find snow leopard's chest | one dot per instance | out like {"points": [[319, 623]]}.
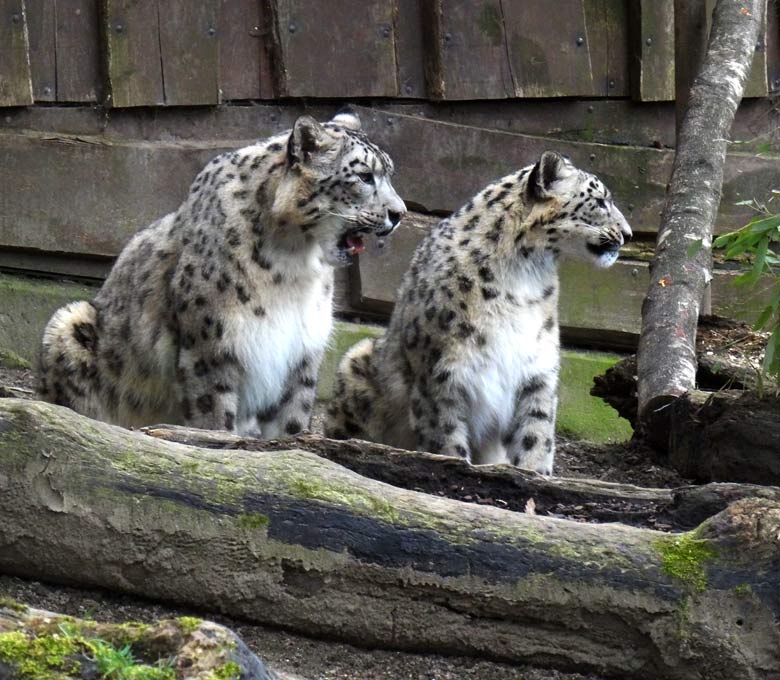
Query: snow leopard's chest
{"points": [[519, 342], [295, 329]]}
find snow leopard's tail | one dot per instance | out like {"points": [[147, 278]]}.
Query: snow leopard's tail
{"points": [[354, 406], [68, 359]]}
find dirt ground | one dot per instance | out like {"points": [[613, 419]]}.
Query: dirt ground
{"points": [[297, 657]]}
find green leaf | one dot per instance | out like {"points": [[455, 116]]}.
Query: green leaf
{"points": [[762, 319], [758, 263], [772, 356], [763, 225], [723, 241]]}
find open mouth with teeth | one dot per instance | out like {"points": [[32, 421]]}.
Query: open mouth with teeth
{"points": [[353, 241]]}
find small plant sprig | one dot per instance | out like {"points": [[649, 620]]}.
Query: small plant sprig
{"points": [[758, 239]]}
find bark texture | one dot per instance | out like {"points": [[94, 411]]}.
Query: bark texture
{"points": [[679, 509], [667, 358], [291, 539]]}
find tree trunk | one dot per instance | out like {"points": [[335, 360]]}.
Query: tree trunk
{"points": [[667, 359], [291, 539]]}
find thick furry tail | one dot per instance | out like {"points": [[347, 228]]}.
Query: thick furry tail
{"points": [[68, 359], [353, 409]]}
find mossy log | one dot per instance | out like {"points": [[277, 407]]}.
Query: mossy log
{"points": [[502, 485], [291, 539]]}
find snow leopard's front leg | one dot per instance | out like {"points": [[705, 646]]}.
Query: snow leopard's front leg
{"points": [[438, 414], [292, 413], [208, 383], [530, 439]]}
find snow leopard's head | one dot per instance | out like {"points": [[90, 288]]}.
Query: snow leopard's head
{"points": [[337, 188], [572, 212]]}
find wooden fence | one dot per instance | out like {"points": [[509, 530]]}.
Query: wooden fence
{"points": [[111, 106]]}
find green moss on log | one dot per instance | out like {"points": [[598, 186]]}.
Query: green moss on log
{"points": [[683, 557]]}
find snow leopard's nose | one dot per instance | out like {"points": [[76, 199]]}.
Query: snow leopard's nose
{"points": [[394, 217], [622, 224]]}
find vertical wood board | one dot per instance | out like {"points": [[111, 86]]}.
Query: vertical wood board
{"points": [[78, 51], [468, 52], [15, 76], [652, 50], [410, 48], [320, 54], [41, 29], [607, 26], [133, 59], [240, 44], [545, 62], [189, 50]]}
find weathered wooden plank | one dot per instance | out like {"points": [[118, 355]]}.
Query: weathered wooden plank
{"points": [[240, 45], [352, 58], [99, 192], [133, 59], [78, 51], [190, 51], [652, 49], [469, 158], [496, 49], [41, 29], [467, 53], [606, 22], [409, 48], [544, 62], [15, 75]]}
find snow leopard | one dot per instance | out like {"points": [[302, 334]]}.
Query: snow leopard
{"points": [[469, 364], [217, 315]]}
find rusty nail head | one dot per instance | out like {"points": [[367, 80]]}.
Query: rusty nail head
{"points": [[634, 272], [649, 41], [47, 90], [611, 83], [386, 31], [212, 31], [118, 27], [580, 40], [448, 37], [255, 28], [592, 157], [292, 27], [590, 109]]}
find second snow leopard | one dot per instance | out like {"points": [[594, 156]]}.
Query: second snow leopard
{"points": [[469, 364], [217, 315]]}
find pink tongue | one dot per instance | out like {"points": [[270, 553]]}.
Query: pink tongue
{"points": [[356, 242]]}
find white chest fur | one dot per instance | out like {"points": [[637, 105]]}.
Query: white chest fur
{"points": [[517, 348], [297, 325]]}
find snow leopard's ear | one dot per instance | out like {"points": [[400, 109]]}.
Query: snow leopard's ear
{"points": [[307, 139], [347, 118], [551, 168]]}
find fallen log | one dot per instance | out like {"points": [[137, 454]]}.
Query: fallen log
{"points": [[288, 538], [506, 486]]}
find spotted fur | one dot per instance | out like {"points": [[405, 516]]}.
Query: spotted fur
{"points": [[217, 315], [469, 364]]}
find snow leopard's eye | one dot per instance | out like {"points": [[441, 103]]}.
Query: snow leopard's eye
{"points": [[366, 177]]}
